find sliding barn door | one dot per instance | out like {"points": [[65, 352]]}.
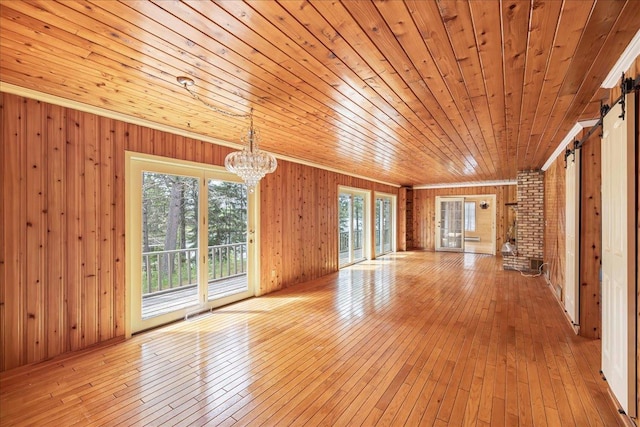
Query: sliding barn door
{"points": [[572, 265], [618, 251]]}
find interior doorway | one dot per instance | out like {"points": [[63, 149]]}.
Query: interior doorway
{"points": [[466, 224]]}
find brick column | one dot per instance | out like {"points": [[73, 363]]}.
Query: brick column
{"points": [[530, 223]]}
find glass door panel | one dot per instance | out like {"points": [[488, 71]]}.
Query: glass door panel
{"points": [[387, 222], [352, 220], [357, 234], [450, 226], [383, 225], [227, 239], [378, 226], [169, 243], [344, 226]]}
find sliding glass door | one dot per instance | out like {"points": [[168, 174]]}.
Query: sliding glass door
{"points": [[352, 221], [187, 240], [384, 224]]}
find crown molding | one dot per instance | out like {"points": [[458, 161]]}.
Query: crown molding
{"points": [[567, 139], [466, 184]]}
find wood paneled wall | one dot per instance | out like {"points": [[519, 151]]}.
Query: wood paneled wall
{"points": [[590, 237], [299, 223], [424, 211], [590, 232], [62, 215], [483, 221], [554, 217]]}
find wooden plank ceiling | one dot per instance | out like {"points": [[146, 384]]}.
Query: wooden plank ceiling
{"points": [[408, 92]]}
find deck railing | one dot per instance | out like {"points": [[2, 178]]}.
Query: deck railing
{"points": [[166, 270], [344, 241]]}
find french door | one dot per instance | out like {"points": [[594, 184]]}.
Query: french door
{"points": [[188, 249], [352, 225], [384, 224], [450, 224]]}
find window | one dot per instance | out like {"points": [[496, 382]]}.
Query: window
{"points": [[469, 216]]}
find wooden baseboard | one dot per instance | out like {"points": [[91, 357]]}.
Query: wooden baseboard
{"points": [[626, 419], [576, 328]]}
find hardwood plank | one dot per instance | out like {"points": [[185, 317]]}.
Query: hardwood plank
{"points": [[376, 343]]}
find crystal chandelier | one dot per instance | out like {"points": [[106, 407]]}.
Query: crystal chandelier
{"points": [[251, 164]]}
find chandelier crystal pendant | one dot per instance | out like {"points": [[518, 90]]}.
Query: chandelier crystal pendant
{"points": [[251, 164]]}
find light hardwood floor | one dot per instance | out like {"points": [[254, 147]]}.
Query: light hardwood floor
{"points": [[416, 338]]}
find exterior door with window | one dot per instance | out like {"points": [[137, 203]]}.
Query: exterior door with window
{"points": [[187, 240], [450, 224]]}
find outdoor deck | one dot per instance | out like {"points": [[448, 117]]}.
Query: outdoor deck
{"points": [[166, 301]]}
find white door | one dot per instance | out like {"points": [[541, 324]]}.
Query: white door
{"points": [[572, 266], [618, 253], [450, 224]]}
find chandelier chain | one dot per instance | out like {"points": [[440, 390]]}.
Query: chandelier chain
{"points": [[213, 107], [251, 164]]}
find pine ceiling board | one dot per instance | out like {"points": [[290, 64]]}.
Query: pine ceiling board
{"points": [[440, 58], [282, 148], [421, 100], [602, 19], [600, 22], [409, 92], [488, 34], [344, 24], [459, 27], [331, 46], [41, 30], [545, 17], [352, 32], [515, 24], [369, 142], [573, 16], [621, 33], [98, 43], [275, 21], [101, 58], [406, 31]]}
